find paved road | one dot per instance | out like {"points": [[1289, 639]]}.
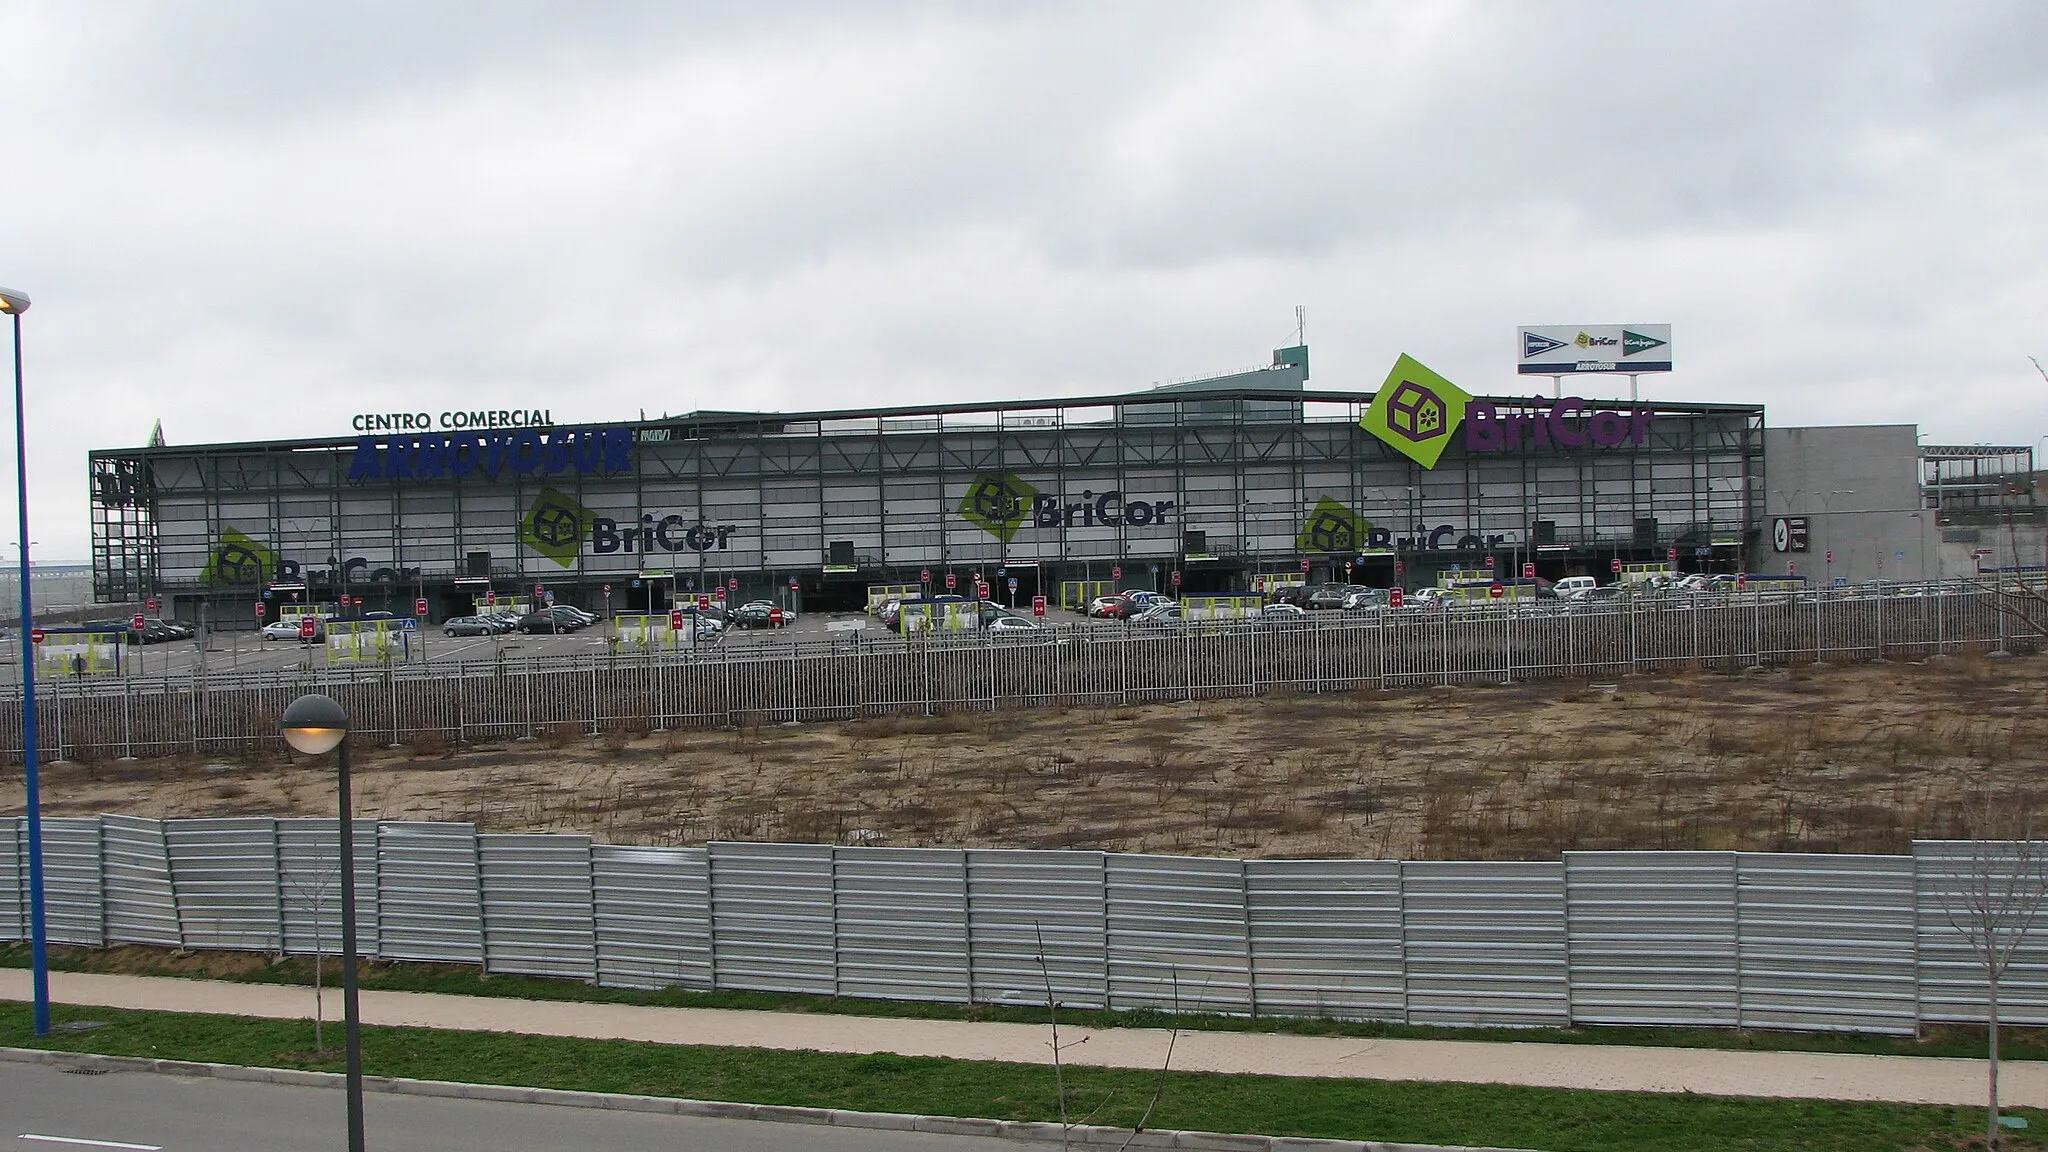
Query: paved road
{"points": [[1804, 1075], [144, 1112]]}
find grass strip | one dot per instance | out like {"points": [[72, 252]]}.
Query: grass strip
{"points": [[464, 980], [1541, 1118]]}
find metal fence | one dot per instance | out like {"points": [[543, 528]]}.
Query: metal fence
{"points": [[848, 676], [1730, 939]]}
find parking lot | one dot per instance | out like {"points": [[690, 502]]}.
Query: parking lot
{"points": [[246, 651]]}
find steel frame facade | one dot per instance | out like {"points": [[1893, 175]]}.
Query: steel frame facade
{"points": [[1243, 468]]}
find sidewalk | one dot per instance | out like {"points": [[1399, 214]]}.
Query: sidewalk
{"points": [[1905, 1079]]}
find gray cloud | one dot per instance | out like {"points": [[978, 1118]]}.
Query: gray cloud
{"points": [[253, 220]]}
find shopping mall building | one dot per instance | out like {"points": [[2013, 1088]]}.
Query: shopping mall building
{"points": [[1216, 485]]}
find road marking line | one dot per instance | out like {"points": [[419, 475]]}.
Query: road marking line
{"points": [[91, 1143]]}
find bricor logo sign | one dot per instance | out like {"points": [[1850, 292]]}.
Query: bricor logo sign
{"points": [[1107, 510], [553, 526], [237, 559], [1565, 423], [1001, 505], [997, 503], [668, 533], [1416, 411], [1331, 527]]}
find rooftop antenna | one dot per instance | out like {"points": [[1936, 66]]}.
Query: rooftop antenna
{"points": [[1301, 325]]}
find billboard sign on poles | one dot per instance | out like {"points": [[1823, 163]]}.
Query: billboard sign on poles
{"points": [[1623, 348]]}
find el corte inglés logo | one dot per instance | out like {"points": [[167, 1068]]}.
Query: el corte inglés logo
{"points": [[1416, 411]]}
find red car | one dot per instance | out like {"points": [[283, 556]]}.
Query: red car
{"points": [[1109, 607]]}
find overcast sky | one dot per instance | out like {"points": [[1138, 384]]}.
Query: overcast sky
{"points": [[253, 220]]}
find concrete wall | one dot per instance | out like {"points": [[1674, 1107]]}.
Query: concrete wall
{"points": [[1859, 488]]}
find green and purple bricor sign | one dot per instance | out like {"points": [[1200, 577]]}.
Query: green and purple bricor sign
{"points": [[518, 451], [1417, 413]]}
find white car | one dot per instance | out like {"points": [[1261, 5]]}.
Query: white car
{"points": [[289, 630], [1573, 587], [1013, 624]]}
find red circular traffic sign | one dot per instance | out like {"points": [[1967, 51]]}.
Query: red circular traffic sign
{"points": [[924, 576], [733, 583], [793, 583], [775, 615], [538, 590], [1497, 591], [35, 635], [606, 590], [1116, 573], [1304, 565]]}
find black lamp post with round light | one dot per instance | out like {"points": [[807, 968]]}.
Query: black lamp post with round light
{"points": [[313, 724]]}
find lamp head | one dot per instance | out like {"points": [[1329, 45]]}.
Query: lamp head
{"points": [[12, 303], [314, 723]]}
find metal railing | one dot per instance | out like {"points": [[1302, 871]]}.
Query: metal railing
{"points": [[1728, 939], [850, 676]]}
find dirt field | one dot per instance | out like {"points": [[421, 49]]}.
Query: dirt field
{"points": [[1856, 759]]}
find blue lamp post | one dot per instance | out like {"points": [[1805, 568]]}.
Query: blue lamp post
{"points": [[13, 304]]}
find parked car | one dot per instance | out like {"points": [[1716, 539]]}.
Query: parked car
{"points": [[154, 631], [1365, 600], [1281, 616], [1108, 607], [1013, 625], [760, 614], [1605, 596], [558, 619], [178, 629], [1330, 595], [1573, 587], [1295, 594], [289, 629], [1139, 599], [469, 626], [1166, 615]]}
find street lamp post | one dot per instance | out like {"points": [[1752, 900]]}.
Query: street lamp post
{"points": [[312, 724], [13, 304]]}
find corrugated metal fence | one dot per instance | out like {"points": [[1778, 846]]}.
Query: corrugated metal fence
{"points": [[847, 677], [1730, 939]]}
